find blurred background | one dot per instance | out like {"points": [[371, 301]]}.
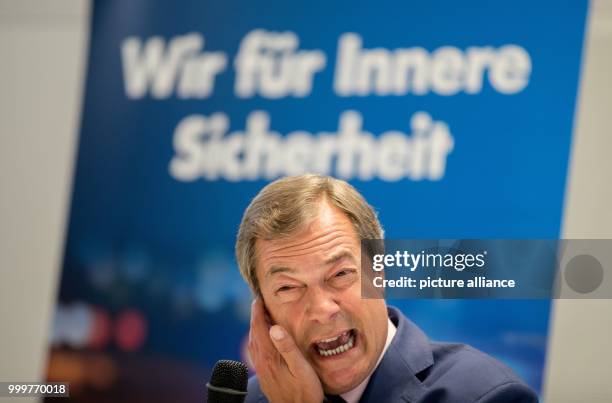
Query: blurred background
{"points": [[119, 214]]}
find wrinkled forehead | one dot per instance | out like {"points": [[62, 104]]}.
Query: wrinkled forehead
{"points": [[329, 233]]}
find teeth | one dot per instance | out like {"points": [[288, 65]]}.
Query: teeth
{"points": [[331, 338], [328, 340], [339, 349]]}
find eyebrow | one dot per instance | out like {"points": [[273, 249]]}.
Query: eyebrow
{"points": [[340, 256], [279, 269], [331, 260]]}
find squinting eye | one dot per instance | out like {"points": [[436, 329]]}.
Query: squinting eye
{"points": [[285, 288], [344, 275], [345, 272]]}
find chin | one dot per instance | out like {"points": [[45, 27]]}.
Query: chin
{"points": [[338, 389], [336, 384]]}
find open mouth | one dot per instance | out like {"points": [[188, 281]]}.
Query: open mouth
{"points": [[336, 345]]}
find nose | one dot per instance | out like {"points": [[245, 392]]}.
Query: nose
{"points": [[322, 306]]}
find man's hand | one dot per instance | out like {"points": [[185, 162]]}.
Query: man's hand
{"points": [[283, 372]]}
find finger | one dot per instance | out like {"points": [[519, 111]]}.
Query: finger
{"points": [[258, 358], [285, 345], [259, 332]]}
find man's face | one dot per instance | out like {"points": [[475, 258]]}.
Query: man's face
{"points": [[310, 284]]}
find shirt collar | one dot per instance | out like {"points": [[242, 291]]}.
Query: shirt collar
{"points": [[353, 395]]}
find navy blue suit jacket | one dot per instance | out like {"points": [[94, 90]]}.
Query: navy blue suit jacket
{"points": [[415, 369]]}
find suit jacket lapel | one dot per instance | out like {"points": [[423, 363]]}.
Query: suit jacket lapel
{"points": [[408, 354]]}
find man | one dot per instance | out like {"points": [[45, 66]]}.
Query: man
{"points": [[313, 337]]}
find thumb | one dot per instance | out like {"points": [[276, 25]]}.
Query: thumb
{"points": [[287, 348]]}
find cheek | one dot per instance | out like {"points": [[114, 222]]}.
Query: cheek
{"points": [[374, 319], [285, 315], [294, 325], [275, 311], [292, 318]]}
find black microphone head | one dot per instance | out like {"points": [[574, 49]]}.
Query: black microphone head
{"points": [[228, 382]]}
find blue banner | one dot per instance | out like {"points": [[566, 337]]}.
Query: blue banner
{"points": [[453, 121]]}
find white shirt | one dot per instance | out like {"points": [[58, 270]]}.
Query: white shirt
{"points": [[353, 395]]}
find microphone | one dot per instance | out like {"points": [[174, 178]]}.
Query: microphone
{"points": [[228, 382]]}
